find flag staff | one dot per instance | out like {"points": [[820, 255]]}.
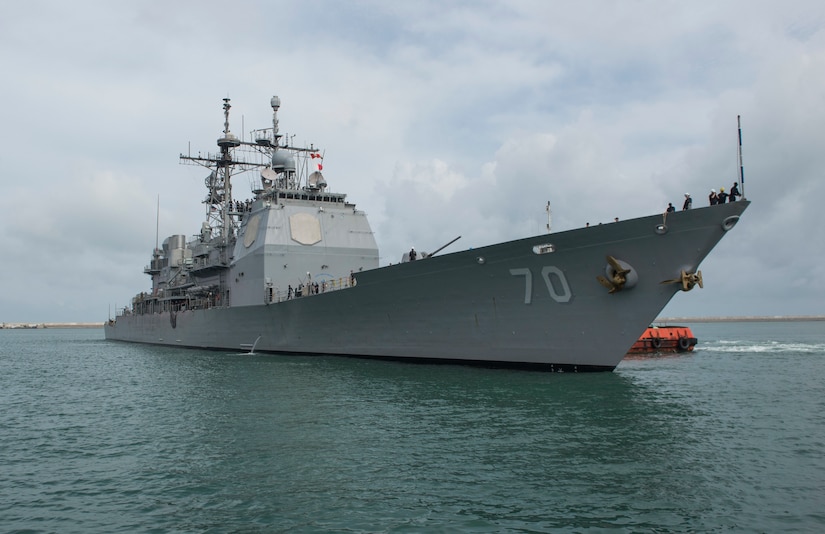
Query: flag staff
{"points": [[741, 166]]}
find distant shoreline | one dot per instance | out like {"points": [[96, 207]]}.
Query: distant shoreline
{"points": [[15, 326], [740, 319], [659, 321]]}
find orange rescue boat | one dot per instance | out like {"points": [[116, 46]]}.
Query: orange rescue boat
{"points": [[664, 339]]}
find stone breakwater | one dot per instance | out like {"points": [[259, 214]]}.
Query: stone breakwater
{"points": [[10, 326], [739, 319]]}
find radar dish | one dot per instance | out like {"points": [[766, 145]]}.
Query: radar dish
{"points": [[316, 180], [269, 175]]}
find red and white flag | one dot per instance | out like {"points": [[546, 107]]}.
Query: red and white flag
{"points": [[318, 165]]}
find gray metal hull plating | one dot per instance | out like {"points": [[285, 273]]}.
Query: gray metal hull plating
{"points": [[501, 305]]}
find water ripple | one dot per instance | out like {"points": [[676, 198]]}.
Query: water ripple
{"points": [[110, 437]]}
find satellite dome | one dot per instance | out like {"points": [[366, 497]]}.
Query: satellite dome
{"points": [[282, 161], [316, 180]]}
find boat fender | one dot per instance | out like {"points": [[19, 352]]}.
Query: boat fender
{"points": [[684, 344], [656, 342]]}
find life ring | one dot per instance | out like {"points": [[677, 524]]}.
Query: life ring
{"points": [[656, 342], [684, 344]]}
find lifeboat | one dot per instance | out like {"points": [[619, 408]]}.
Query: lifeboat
{"points": [[664, 339]]}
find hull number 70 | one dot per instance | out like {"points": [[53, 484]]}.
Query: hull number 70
{"points": [[554, 279]]}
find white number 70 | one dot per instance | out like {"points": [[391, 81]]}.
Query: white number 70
{"points": [[559, 294]]}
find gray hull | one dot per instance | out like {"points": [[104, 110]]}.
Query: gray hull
{"points": [[533, 303]]}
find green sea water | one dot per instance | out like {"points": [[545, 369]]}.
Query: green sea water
{"points": [[99, 436]]}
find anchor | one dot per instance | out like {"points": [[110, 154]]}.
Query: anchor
{"points": [[617, 279], [688, 280]]}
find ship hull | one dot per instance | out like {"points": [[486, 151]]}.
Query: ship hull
{"points": [[531, 303]]}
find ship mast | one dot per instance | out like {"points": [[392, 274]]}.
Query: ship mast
{"points": [[277, 161], [275, 102], [224, 183], [219, 206]]}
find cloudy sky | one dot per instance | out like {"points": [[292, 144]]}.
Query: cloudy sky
{"points": [[438, 118]]}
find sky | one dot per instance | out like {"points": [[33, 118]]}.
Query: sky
{"points": [[437, 118]]}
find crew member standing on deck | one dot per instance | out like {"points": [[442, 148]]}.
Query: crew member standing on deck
{"points": [[734, 192], [723, 197], [670, 208], [712, 198], [688, 202], [412, 254]]}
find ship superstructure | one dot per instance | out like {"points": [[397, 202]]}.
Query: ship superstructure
{"points": [[294, 269], [292, 238]]}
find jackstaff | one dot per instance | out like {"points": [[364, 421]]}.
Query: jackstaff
{"points": [[741, 167]]}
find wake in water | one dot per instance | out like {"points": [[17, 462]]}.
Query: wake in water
{"points": [[772, 347]]}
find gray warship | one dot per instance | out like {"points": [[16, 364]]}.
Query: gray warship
{"points": [[295, 270]]}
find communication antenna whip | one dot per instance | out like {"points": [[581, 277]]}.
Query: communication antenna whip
{"points": [[157, 223]]}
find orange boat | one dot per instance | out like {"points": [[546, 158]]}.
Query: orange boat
{"points": [[664, 339]]}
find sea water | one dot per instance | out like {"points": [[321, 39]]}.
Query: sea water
{"points": [[99, 436]]}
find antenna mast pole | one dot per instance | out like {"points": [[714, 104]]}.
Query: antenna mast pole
{"points": [[157, 224], [221, 192], [225, 157]]}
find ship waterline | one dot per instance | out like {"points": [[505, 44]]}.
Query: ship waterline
{"points": [[295, 270]]}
